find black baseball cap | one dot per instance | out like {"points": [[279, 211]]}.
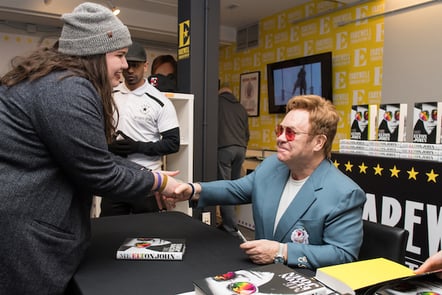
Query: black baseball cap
{"points": [[136, 52]]}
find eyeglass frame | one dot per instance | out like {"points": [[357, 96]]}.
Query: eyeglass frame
{"points": [[389, 115], [433, 115], [359, 115], [278, 132]]}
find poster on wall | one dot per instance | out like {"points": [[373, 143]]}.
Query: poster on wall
{"points": [[249, 97]]}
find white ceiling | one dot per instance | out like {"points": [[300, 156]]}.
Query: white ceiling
{"points": [[150, 20]]}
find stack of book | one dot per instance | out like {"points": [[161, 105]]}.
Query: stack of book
{"points": [[403, 150]]}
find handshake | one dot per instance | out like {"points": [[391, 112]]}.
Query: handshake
{"points": [[171, 190]]}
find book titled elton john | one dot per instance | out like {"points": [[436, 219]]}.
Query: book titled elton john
{"points": [[152, 249], [392, 122], [276, 279], [427, 122], [363, 122]]}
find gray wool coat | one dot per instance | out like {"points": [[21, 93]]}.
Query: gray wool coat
{"points": [[53, 158]]}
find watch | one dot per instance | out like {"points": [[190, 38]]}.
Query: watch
{"points": [[279, 258]]}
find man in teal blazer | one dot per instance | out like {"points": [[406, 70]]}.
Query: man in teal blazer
{"points": [[306, 212]]}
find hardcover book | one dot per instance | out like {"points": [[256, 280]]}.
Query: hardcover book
{"points": [[425, 284], [347, 278], [268, 279], [363, 122], [392, 122], [426, 122], [152, 249]]}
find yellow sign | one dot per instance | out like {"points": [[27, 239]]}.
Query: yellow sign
{"points": [[184, 40]]}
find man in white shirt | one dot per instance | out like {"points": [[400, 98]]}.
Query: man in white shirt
{"points": [[147, 128]]}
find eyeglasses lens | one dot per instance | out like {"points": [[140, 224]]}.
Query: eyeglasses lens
{"points": [[388, 115], [425, 115], [358, 116], [289, 133]]}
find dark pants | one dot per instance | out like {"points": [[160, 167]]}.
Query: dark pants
{"points": [[140, 205], [230, 160]]}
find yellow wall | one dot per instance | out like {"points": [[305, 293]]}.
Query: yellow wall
{"points": [[357, 59]]}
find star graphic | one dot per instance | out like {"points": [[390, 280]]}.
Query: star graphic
{"points": [[412, 173], [363, 168], [378, 170], [348, 166], [432, 176], [336, 163], [395, 172]]}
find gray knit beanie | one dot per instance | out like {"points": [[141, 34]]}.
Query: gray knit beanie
{"points": [[92, 29]]}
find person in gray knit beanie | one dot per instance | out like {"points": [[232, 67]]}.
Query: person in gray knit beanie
{"points": [[92, 29], [56, 112]]}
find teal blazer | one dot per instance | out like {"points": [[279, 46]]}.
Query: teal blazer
{"points": [[322, 225]]}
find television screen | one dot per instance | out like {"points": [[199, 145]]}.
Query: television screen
{"points": [[306, 75]]}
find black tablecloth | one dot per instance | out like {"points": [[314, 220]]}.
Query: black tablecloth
{"points": [[209, 251]]}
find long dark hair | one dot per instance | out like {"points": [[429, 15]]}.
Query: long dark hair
{"points": [[46, 60]]}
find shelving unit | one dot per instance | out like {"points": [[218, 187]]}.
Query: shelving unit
{"points": [[183, 159]]}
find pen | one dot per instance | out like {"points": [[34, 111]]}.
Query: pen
{"points": [[241, 236]]}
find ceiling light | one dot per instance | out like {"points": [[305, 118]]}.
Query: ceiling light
{"points": [[115, 10]]}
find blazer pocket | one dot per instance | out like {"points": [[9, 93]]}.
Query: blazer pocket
{"points": [[312, 227]]}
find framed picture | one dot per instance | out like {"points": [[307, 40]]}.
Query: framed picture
{"points": [[249, 96]]}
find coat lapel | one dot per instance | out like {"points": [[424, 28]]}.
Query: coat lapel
{"points": [[304, 199]]}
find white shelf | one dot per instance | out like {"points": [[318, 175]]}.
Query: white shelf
{"points": [[183, 159]]}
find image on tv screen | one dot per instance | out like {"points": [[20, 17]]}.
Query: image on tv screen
{"points": [[296, 80]]}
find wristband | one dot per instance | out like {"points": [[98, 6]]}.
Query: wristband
{"points": [[193, 190], [163, 185], [159, 181]]}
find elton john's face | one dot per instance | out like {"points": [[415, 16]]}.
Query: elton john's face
{"points": [[362, 117], [392, 116], [428, 116]]}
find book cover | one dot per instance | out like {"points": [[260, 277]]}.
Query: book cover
{"points": [[363, 122], [392, 122], [152, 249], [425, 284], [439, 125], [346, 278], [267, 279], [426, 128]]}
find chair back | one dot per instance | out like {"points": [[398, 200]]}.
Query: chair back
{"points": [[383, 241]]}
